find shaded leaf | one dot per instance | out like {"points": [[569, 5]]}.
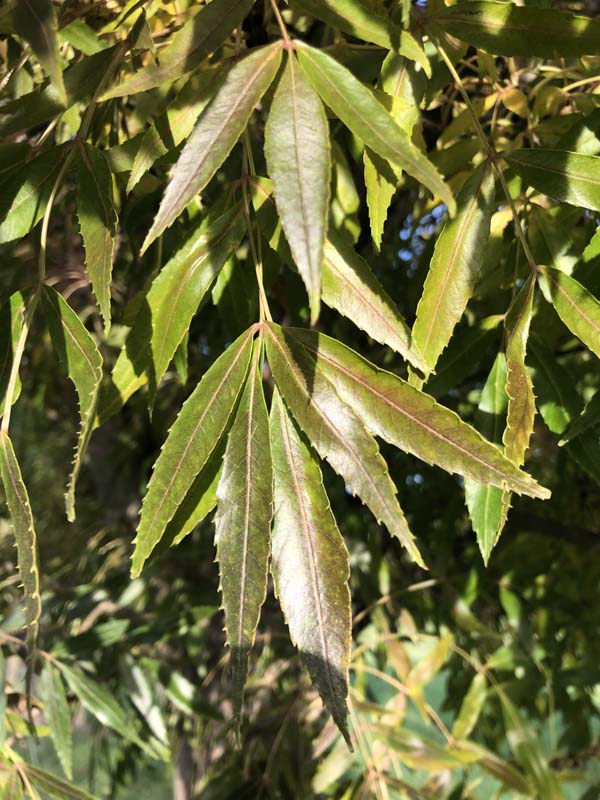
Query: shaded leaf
{"points": [[589, 417], [570, 177], [12, 317], [58, 717], [550, 241], [53, 786], [35, 21]]}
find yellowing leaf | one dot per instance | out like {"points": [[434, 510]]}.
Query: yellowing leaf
{"points": [[471, 707]]}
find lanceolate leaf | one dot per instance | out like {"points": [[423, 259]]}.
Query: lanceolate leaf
{"points": [[455, 266], [219, 127], [243, 525], [511, 30], [471, 707], [588, 418], [298, 157], [337, 434], [191, 441], [578, 308], [81, 358], [192, 44], [12, 316], [570, 177], [35, 21], [310, 564], [409, 418], [360, 111], [58, 717], [98, 222], [53, 786]]}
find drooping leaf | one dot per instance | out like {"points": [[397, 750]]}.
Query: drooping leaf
{"points": [[202, 34], [360, 111], [310, 565], [35, 21], [81, 358], [298, 157], [52, 785], [190, 443], [411, 419], [219, 127], [58, 717], [570, 177], [12, 317], [471, 707], [337, 434], [243, 525], [455, 266], [511, 30]]}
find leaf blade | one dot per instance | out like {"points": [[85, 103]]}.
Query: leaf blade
{"points": [[35, 21], [575, 305], [570, 177], [56, 711]]}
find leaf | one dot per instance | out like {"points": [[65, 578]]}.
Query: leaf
{"points": [[167, 310], [53, 786], [199, 37], [298, 157], [81, 358], [219, 127], [58, 717], [510, 30], [578, 308], [310, 565], [243, 525], [364, 115], [21, 517], [35, 21], [337, 434], [550, 241], [98, 222], [588, 418], [12, 317], [189, 445], [570, 177], [471, 707], [13, 788], [411, 419], [455, 266], [26, 192]]}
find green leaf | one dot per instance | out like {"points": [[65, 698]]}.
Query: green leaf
{"points": [[219, 127], [337, 433], [578, 308], [363, 114], [310, 565], [298, 157], [21, 517], [471, 707], [98, 222], [26, 192], [51, 785], [81, 358], [191, 441], [82, 37], [35, 21], [12, 317], [550, 241], [58, 717], [202, 34], [455, 266], [570, 177], [243, 525], [411, 419], [588, 418], [511, 30], [13, 788]]}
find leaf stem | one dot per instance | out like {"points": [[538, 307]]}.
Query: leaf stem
{"points": [[248, 169], [287, 43]]}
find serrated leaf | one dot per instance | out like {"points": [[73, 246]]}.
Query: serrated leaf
{"points": [[511, 30], [471, 707], [190, 443], [12, 317], [58, 717], [455, 266], [219, 127], [81, 358], [97, 221], [578, 308], [243, 525], [202, 34], [298, 157], [337, 433], [51, 785], [35, 21], [363, 114], [570, 177], [310, 565], [411, 419]]}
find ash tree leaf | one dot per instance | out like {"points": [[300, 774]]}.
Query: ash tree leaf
{"points": [[356, 106], [298, 157], [574, 304], [191, 441], [455, 266], [12, 317], [35, 21], [310, 565], [411, 419], [52, 786], [570, 177], [337, 434], [243, 525], [77, 351], [58, 717], [98, 222], [219, 127]]}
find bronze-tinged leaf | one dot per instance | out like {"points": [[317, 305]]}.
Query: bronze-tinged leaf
{"points": [[310, 564]]}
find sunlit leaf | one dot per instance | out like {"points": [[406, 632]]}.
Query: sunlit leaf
{"points": [[471, 707], [12, 316], [570, 177]]}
